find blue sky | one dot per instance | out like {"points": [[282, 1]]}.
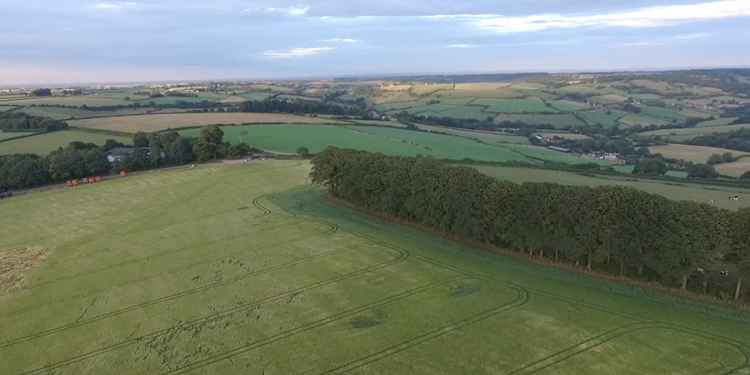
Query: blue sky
{"points": [[45, 41]]}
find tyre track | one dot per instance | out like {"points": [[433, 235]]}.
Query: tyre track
{"points": [[522, 298], [616, 333]]}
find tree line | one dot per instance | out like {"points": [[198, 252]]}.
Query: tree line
{"points": [[736, 140], [612, 229], [19, 121], [273, 105], [78, 159]]}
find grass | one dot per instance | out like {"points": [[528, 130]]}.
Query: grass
{"points": [[607, 119], [287, 138], [158, 122], [722, 121], [734, 169], [561, 121], [696, 154], [240, 269], [91, 101], [43, 144], [483, 136], [676, 191], [568, 105]]}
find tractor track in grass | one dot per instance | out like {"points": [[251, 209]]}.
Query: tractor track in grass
{"points": [[625, 330], [401, 257], [522, 298], [310, 326]]}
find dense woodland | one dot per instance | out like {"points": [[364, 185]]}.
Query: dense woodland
{"points": [[612, 229], [301, 106]]}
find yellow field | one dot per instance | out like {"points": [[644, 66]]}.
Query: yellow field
{"points": [[696, 154], [152, 123]]}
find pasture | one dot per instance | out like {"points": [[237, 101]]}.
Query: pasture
{"points": [[243, 270], [696, 154], [43, 144], [513, 105], [9, 135], [287, 138], [159, 122], [672, 190]]}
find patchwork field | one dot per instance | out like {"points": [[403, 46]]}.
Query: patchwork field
{"points": [[152, 123], [243, 270], [672, 190], [43, 144], [696, 154]]}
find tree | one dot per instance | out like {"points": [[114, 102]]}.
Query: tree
{"points": [[239, 150], [651, 167], [140, 139], [303, 151], [702, 171], [715, 159], [209, 144], [740, 247], [745, 176]]}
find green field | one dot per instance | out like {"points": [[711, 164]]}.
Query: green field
{"points": [[242, 270], [90, 100], [607, 119], [513, 105], [723, 121], [483, 136], [559, 121], [672, 190], [287, 138], [391, 141], [43, 144]]}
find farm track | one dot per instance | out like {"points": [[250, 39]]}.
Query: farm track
{"points": [[402, 256]]}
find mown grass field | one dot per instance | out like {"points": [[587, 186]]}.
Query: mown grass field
{"points": [[43, 144], [672, 190], [158, 122], [243, 270]]}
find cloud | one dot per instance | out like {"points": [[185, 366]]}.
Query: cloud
{"points": [[293, 11], [645, 17], [296, 52], [115, 5], [462, 46], [340, 41], [668, 40]]}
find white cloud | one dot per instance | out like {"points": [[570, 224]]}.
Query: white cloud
{"points": [[294, 11], [693, 36], [462, 46], [340, 41], [638, 18], [296, 52], [115, 5], [667, 40]]}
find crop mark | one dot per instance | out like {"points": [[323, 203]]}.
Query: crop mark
{"points": [[401, 257], [160, 300], [161, 274], [308, 327]]}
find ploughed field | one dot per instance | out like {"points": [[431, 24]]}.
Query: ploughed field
{"points": [[246, 269]]}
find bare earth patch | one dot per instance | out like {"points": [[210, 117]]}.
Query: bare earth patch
{"points": [[16, 263]]}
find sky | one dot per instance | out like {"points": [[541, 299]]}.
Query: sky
{"points": [[66, 41]]}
